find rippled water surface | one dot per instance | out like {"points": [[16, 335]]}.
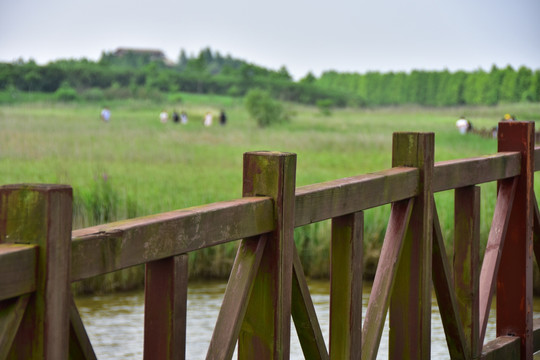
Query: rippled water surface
{"points": [[115, 322]]}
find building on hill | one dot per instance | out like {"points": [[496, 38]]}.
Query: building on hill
{"points": [[151, 53]]}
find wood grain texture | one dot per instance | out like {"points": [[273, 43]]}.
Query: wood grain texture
{"points": [[110, 247], [502, 348], [11, 315]]}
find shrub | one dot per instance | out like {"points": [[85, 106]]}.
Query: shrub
{"points": [[325, 106], [94, 94], [265, 110], [66, 93]]}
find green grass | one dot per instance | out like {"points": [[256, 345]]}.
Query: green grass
{"points": [[136, 166]]}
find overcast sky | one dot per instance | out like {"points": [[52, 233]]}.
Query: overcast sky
{"points": [[342, 35]]}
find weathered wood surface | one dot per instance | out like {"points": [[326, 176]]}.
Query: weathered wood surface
{"points": [[536, 335], [385, 277], [80, 347], [467, 263], [105, 248], [265, 331], [454, 174], [11, 314], [537, 158], [345, 196], [446, 298], [346, 286], [502, 348], [17, 269], [304, 316], [515, 275], [41, 215], [410, 304], [165, 307], [235, 300], [494, 248]]}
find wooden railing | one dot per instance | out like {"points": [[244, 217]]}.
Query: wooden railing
{"points": [[40, 256]]}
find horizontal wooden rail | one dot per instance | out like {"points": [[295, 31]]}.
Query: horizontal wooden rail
{"points": [[537, 158], [17, 270], [105, 248]]}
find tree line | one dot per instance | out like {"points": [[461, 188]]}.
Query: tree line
{"points": [[138, 74]]}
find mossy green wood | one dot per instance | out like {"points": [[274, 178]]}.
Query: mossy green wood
{"points": [[467, 262], [265, 331], [304, 316], [346, 287], [515, 275], [41, 215], [410, 306], [165, 305], [446, 298]]}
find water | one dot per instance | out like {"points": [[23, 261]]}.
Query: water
{"points": [[115, 322]]}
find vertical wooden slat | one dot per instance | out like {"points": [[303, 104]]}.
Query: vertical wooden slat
{"points": [[385, 276], [265, 332], [165, 308], [233, 308], [467, 262], [410, 307], [514, 279], [304, 316], [494, 247], [346, 287], [536, 231], [41, 215], [446, 298]]}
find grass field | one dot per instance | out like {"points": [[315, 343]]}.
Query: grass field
{"points": [[135, 165]]}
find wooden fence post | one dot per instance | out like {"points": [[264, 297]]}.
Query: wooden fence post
{"points": [[265, 331], [42, 215], [514, 279], [165, 306], [410, 307]]}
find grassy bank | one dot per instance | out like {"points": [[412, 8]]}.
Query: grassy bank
{"points": [[135, 165]]}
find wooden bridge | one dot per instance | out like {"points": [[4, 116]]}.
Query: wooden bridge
{"points": [[40, 257]]}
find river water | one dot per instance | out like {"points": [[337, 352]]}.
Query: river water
{"points": [[115, 322]]}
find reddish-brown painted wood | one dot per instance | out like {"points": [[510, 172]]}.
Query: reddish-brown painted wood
{"points": [[536, 230], [346, 286], [467, 262], [494, 247], [165, 305], [514, 279], [410, 305], [265, 331], [446, 298], [304, 316], [385, 276], [235, 300], [41, 215]]}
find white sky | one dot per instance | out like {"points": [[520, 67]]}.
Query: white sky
{"points": [[342, 35]]}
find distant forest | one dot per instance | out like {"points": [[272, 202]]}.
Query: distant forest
{"points": [[140, 73]]}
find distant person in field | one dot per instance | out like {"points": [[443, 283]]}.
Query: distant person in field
{"points": [[222, 118], [208, 119], [163, 117], [175, 117], [183, 118], [463, 125], [105, 114]]}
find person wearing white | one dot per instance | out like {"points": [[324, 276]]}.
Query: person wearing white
{"points": [[105, 114], [462, 124], [163, 117], [208, 119]]}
